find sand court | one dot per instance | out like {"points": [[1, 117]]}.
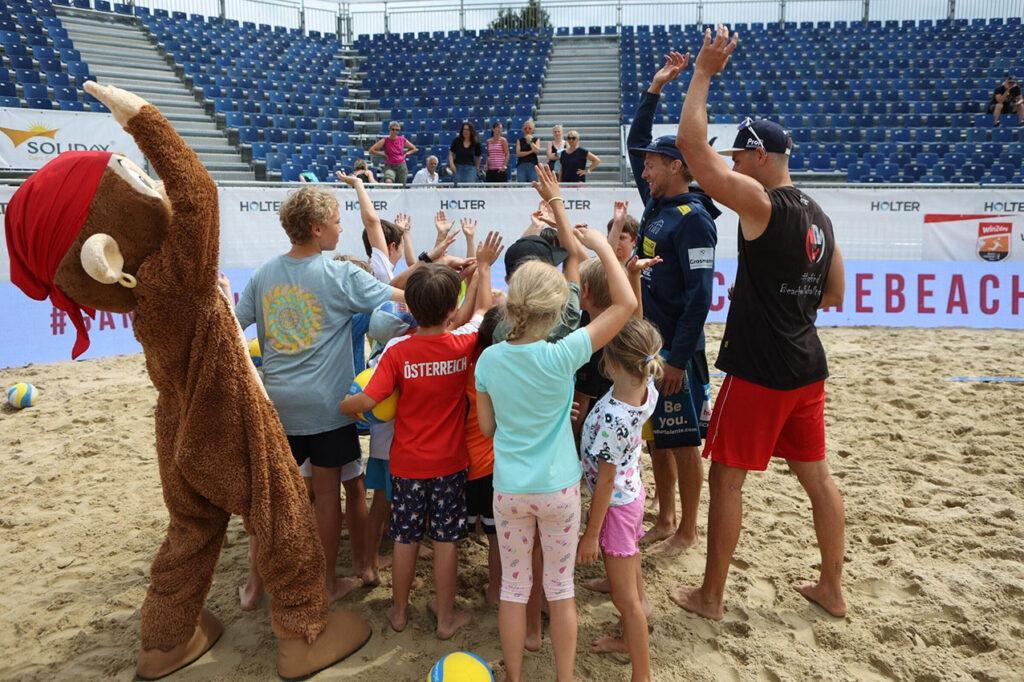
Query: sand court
{"points": [[932, 471]]}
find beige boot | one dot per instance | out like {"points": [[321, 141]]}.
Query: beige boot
{"points": [[154, 663], [345, 634]]}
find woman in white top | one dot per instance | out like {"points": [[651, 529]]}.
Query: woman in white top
{"points": [[555, 147]]}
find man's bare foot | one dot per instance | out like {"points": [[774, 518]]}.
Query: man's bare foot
{"points": [[830, 600], [658, 531], [342, 586], [609, 645], [250, 597], [447, 629], [674, 545], [598, 585], [398, 620], [532, 642], [694, 601]]}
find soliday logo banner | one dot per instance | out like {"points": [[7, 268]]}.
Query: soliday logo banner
{"points": [[881, 233], [31, 137]]}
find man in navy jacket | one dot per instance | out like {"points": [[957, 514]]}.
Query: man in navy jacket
{"points": [[678, 226]]}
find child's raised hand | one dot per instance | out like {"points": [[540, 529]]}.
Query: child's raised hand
{"points": [[546, 183], [490, 248], [403, 221], [619, 213], [588, 551], [635, 265], [350, 180], [592, 239], [469, 228], [442, 225], [440, 248]]}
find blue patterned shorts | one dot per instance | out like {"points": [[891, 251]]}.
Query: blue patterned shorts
{"points": [[440, 501]]}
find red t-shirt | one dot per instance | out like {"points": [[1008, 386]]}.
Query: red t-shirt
{"points": [[430, 374]]}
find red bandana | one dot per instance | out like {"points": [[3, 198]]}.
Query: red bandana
{"points": [[43, 220]]}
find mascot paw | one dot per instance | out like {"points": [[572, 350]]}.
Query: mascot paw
{"points": [[154, 663], [122, 104], [345, 634]]}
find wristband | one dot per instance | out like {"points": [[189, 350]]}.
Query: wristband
{"points": [[425, 258], [556, 199]]}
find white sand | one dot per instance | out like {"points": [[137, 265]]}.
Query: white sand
{"points": [[932, 473]]}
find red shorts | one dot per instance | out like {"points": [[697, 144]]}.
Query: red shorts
{"points": [[750, 424]]}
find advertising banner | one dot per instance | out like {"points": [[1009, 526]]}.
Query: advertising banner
{"points": [[901, 268], [31, 137]]}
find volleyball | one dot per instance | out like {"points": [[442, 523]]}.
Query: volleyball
{"points": [[384, 411], [22, 395], [255, 353], [461, 666]]}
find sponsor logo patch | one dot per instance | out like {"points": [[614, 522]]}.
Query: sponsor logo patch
{"points": [[994, 240], [649, 247], [702, 258]]}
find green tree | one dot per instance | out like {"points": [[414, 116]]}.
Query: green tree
{"points": [[532, 15]]}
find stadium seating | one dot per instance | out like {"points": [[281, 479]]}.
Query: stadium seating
{"points": [[40, 68], [857, 97]]}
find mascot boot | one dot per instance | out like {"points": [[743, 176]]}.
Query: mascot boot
{"points": [[91, 230]]}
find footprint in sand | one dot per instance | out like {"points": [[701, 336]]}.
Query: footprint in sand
{"points": [[800, 628], [761, 593], [884, 591]]}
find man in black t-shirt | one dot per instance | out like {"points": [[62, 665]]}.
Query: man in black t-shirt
{"points": [[1006, 99], [771, 403]]}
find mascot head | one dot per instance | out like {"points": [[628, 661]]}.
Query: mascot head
{"points": [[78, 230]]}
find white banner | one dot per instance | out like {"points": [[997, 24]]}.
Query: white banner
{"points": [[898, 271], [988, 237], [31, 137]]}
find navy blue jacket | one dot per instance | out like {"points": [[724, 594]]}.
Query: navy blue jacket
{"points": [[681, 230]]}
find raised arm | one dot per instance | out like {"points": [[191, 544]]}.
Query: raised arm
{"points": [[634, 270], [643, 122], [368, 214], [192, 243], [607, 324], [487, 254], [404, 223], [469, 232], [741, 193], [549, 191]]}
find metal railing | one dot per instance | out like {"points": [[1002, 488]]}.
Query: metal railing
{"points": [[349, 20]]}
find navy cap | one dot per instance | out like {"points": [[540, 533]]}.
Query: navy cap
{"points": [[664, 145], [761, 133], [532, 248]]}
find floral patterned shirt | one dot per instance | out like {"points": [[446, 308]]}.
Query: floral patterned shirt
{"points": [[612, 433]]}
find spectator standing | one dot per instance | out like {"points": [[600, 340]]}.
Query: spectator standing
{"points": [[497, 155], [464, 155], [527, 149], [1007, 100], [555, 148], [427, 175], [574, 160], [395, 149]]}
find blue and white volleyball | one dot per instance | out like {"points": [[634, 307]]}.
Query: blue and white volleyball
{"points": [[22, 395]]}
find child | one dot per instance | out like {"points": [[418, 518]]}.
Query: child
{"points": [[480, 483], [622, 231], [610, 447], [302, 304], [524, 394], [428, 454]]}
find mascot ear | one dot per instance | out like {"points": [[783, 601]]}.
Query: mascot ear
{"points": [[102, 260]]}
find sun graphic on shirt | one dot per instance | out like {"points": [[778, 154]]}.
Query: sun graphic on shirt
{"points": [[293, 318]]}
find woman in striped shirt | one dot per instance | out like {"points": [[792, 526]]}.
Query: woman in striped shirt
{"points": [[497, 155]]}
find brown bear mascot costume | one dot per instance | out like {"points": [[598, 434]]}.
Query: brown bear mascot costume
{"points": [[92, 231]]}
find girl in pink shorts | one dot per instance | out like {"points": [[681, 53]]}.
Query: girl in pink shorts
{"points": [[610, 447]]}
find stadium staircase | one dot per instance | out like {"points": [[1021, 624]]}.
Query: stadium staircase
{"points": [[120, 53], [581, 91]]}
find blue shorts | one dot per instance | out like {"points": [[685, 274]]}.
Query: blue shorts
{"points": [[681, 420], [441, 501], [378, 476]]}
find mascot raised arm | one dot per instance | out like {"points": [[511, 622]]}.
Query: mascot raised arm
{"points": [[92, 231]]}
